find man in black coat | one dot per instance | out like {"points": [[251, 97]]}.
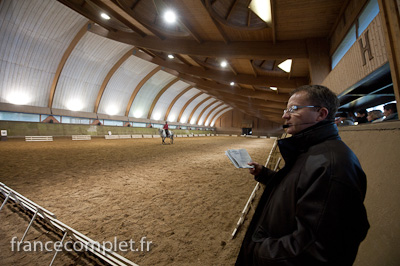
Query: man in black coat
{"points": [[311, 211]]}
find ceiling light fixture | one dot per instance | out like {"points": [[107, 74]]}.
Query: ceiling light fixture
{"points": [[169, 16], [137, 114], [112, 110], [273, 88], [224, 63], [75, 105], [170, 56], [286, 65], [232, 83], [18, 98], [105, 16], [262, 8]]}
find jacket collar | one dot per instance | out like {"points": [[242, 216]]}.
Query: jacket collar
{"points": [[291, 147]]}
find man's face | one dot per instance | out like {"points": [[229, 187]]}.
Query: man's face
{"points": [[302, 118], [360, 115], [387, 112]]}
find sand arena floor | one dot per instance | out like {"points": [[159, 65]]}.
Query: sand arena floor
{"points": [[185, 198]]}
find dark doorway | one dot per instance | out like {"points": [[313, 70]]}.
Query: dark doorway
{"points": [[247, 131]]}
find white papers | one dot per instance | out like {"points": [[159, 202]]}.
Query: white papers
{"points": [[239, 158]]}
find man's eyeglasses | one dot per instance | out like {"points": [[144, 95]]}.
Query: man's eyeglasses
{"points": [[297, 107]]}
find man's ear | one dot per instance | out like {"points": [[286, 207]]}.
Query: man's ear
{"points": [[322, 114]]}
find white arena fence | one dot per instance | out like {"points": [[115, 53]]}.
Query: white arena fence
{"points": [[38, 138], [81, 137], [49, 218], [137, 136]]}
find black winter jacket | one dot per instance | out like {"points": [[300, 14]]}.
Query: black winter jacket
{"points": [[311, 211]]}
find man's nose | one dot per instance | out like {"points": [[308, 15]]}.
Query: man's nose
{"points": [[286, 115]]}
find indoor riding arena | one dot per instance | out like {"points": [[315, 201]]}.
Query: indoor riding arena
{"points": [[120, 122], [185, 198]]}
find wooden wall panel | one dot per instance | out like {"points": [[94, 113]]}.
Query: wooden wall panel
{"points": [[231, 123], [350, 69]]}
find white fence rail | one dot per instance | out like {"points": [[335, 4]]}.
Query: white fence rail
{"points": [[90, 245]]}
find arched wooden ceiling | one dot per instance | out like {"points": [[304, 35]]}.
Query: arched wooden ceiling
{"points": [[63, 55]]}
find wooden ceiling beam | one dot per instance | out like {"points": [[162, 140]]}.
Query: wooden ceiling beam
{"points": [[241, 49], [86, 13], [183, 60], [231, 8], [120, 18], [131, 13], [232, 90], [253, 103], [224, 76]]}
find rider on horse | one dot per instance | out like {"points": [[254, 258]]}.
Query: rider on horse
{"points": [[166, 129]]}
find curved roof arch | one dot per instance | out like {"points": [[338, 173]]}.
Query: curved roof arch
{"points": [[144, 98], [204, 112], [210, 112], [164, 104], [61, 55], [157, 98], [218, 113], [191, 107], [119, 89], [85, 71], [35, 35], [195, 112]]}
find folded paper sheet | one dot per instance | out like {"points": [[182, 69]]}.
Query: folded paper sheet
{"points": [[239, 158]]}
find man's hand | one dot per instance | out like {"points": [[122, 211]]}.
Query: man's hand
{"points": [[257, 168]]}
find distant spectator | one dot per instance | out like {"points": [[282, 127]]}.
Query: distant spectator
{"points": [[344, 120], [375, 116], [361, 116], [390, 111]]}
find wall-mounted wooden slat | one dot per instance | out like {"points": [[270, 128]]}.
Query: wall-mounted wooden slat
{"points": [[204, 109], [138, 87], [108, 77], [197, 106], [61, 65], [219, 113], [186, 105], [212, 110], [159, 95], [174, 100]]}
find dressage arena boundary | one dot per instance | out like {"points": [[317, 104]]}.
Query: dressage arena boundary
{"points": [[90, 245], [273, 154], [117, 136], [136, 136], [38, 138], [81, 137]]}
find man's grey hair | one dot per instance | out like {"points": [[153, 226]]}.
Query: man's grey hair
{"points": [[319, 95]]}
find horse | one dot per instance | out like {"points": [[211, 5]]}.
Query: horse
{"points": [[164, 136]]}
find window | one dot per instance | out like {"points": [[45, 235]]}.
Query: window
{"points": [[370, 11], [9, 116], [138, 124], [158, 125], [113, 123], [366, 17], [75, 120], [344, 46]]}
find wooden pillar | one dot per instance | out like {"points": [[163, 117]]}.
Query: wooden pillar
{"points": [[390, 15], [318, 60]]}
